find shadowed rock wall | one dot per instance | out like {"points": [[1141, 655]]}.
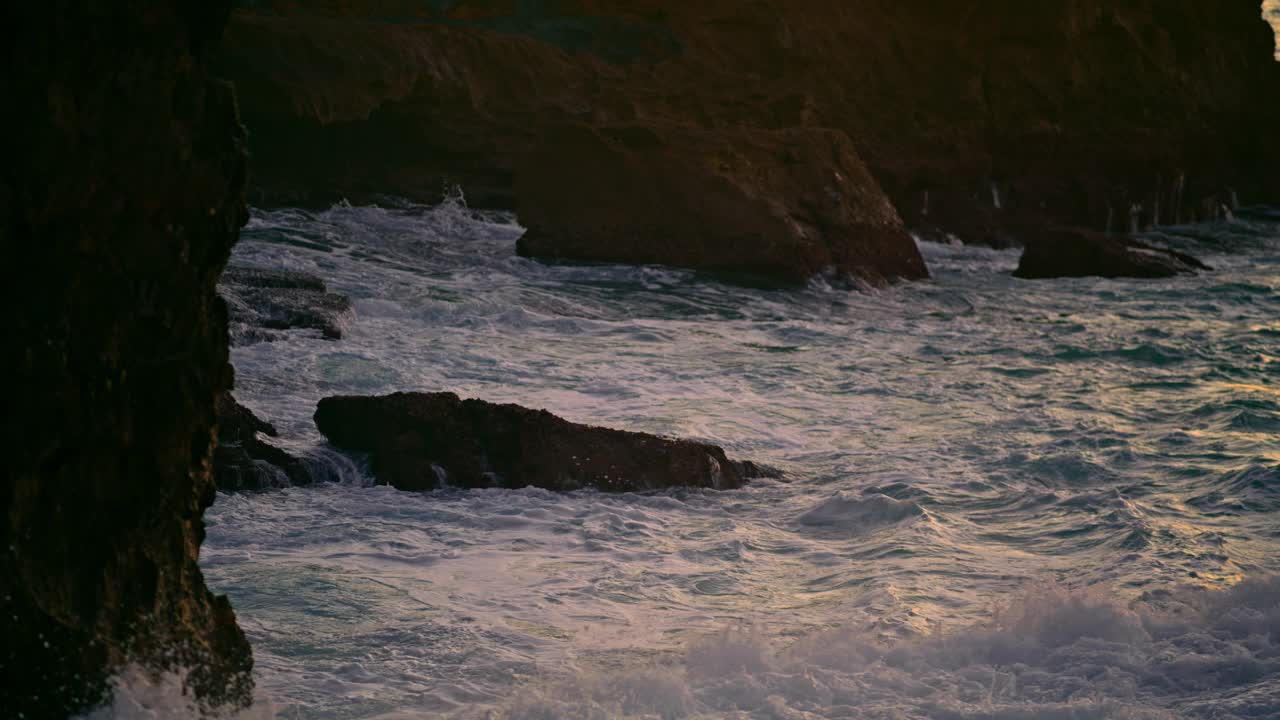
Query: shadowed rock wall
{"points": [[984, 118], [120, 198]]}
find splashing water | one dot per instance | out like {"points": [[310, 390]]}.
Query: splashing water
{"points": [[139, 694], [948, 444], [1052, 655]]}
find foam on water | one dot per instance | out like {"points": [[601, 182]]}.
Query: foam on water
{"points": [[949, 444], [1054, 654], [140, 694]]}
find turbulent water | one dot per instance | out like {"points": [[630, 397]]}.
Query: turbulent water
{"points": [[1003, 499]]}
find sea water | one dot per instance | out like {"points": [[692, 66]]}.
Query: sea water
{"points": [[1002, 498]]}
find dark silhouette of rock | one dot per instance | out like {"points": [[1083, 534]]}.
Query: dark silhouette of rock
{"points": [[243, 461], [510, 119], [120, 198], [261, 301], [1074, 253], [979, 119], [421, 441], [784, 205]]}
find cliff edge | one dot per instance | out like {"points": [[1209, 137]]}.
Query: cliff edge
{"points": [[120, 199], [986, 120]]}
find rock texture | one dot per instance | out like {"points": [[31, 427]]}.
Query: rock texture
{"points": [[980, 119], [263, 301], [605, 155], [1271, 9], [120, 197], [419, 441], [243, 461], [1072, 253], [1076, 113], [785, 204]]}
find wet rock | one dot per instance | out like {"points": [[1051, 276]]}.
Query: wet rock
{"points": [[243, 461], [784, 205], [120, 199], [1066, 113], [423, 441], [1074, 253], [261, 301], [259, 277], [749, 197]]}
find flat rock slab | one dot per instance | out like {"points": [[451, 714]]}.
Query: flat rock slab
{"points": [[424, 441], [263, 301], [260, 277], [1073, 253]]}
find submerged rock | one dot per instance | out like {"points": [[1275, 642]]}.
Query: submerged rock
{"points": [[508, 118], [423, 441], [261, 301], [1074, 253], [245, 462]]}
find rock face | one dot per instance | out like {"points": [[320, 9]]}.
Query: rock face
{"points": [[601, 159], [263, 301], [120, 198], [786, 204], [980, 119], [1071, 253], [419, 441], [243, 461], [1074, 113]]}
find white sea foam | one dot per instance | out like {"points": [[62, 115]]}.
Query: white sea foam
{"points": [[846, 512], [946, 444], [1184, 653], [1054, 654], [140, 694]]}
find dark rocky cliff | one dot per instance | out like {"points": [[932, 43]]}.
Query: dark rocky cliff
{"points": [[1104, 115], [987, 119], [120, 198], [611, 144]]}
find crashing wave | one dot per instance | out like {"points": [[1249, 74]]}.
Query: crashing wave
{"points": [[1189, 653]]}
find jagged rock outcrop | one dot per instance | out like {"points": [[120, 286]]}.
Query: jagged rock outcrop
{"points": [[981, 119], [1075, 253], [261, 302], [243, 461], [423, 441], [120, 198]]}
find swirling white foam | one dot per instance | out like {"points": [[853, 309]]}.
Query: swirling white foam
{"points": [[948, 445]]}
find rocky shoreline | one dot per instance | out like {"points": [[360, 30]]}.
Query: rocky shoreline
{"points": [[426, 441], [985, 123], [778, 140]]}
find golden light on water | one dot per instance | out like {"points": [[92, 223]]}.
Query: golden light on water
{"points": [[1249, 387]]}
